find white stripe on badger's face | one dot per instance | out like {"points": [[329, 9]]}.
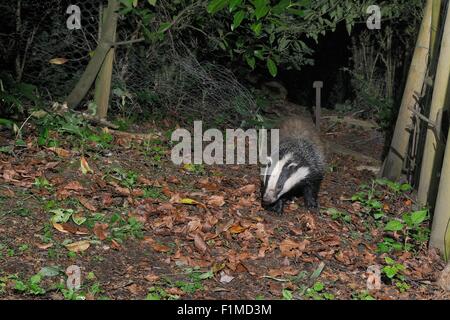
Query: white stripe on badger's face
{"points": [[276, 172], [271, 195], [298, 176]]}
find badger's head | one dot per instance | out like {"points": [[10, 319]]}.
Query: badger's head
{"points": [[281, 176]]}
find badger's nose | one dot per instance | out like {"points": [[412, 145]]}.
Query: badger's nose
{"points": [[269, 197]]}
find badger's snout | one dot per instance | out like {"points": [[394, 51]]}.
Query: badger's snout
{"points": [[269, 197]]}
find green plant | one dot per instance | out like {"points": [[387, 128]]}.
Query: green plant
{"points": [[32, 286], [16, 97], [122, 229], [42, 183], [287, 294], [338, 215], [70, 294], [127, 178], [369, 199], [410, 227], [363, 295], [154, 149], [394, 272], [197, 169], [154, 193], [156, 293], [395, 187], [316, 292]]}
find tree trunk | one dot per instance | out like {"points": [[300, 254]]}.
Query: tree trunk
{"points": [[89, 75], [434, 148], [103, 84], [393, 163]]}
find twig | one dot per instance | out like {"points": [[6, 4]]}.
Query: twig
{"points": [[126, 42]]}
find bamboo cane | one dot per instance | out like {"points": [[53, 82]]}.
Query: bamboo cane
{"points": [[393, 164], [434, 149]]}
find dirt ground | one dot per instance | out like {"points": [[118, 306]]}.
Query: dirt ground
{"points": [[140, 227]]}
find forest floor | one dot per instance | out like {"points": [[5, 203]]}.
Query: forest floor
{"points": [[140, 227]]}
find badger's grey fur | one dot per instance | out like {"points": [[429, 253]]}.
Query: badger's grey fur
{"points": [[296, 168]]}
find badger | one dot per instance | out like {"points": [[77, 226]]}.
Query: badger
{"points": [[296, 168]]}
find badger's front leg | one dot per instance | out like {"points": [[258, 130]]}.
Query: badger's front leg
{"points": [[310, 194]]}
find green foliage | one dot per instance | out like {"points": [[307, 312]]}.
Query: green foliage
{"points": [[363, 295], [123, 229], [17, 97], [252, 31], [157, 293], [275, 33], [127, 179], [32, 286], [316, 292], [338, 215], [154, 193], [394, 272], [411, 226]]}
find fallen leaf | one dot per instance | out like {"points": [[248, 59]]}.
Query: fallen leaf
{"points": [[45, 246], [100, 230], [285, 271], [60, 227], [8, 175], [248, 189], [236, 229], [115, 245], [156, 246], [79, 218], [84, 166], [134, 289], [225, 278], [189, 201], [173, 179], [78, 246], [152, 277], [74, 186], [7, 193], [290, 248], [175, 291], [87, 204], [107, 200], [216, 201], [200, 244], [60, 152], [58, 60], [166, 191]]}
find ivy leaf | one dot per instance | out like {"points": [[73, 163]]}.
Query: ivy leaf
{"points": [[233, 4], [164, 27], [152, 2], [237, 19], [251, 61], [261, 12], [216, 5], [394, 225], [257, 27], [258, 54], [273, 70], [418, 217]]}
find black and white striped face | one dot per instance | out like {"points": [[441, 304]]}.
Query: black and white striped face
{"points": [[281, 177]]}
